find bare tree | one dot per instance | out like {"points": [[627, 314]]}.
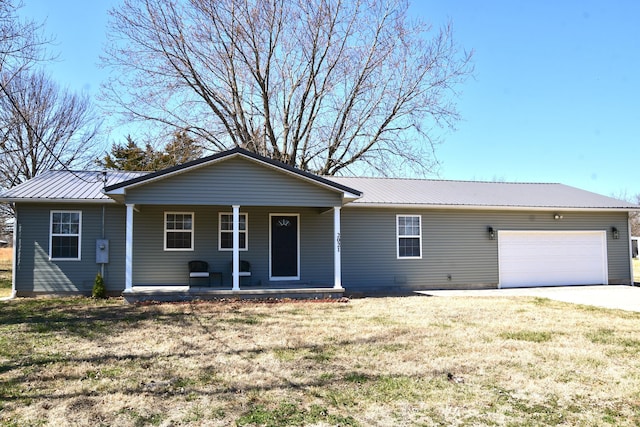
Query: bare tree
{"points": [[21, 45], [319, 84], [21, 41], [46, 127]]}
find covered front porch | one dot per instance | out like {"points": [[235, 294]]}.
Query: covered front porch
{"points": [[254, 251], [232, 210]]}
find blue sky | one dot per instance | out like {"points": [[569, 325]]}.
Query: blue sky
{"points": [[555, 96]]}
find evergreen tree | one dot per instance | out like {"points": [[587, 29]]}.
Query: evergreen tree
{"points": [[127, 157], [131, 157]]}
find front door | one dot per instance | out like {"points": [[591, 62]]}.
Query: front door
{"points": [[285, 254]]}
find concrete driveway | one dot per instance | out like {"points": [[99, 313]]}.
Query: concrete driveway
{"points": [[607, 296]]}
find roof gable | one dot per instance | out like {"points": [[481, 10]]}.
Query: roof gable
{"points": [[349, 193], [234, 181]]}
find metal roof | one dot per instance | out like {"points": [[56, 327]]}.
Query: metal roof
{"points": [[66, 185], [441, 193], [72, 186]]}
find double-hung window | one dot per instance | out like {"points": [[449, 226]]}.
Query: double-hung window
{"points": [[225, 242], [409, 236], [64, 238], [178, 231]]}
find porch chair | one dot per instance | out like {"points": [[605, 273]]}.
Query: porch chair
{"points": [[200, 270]]}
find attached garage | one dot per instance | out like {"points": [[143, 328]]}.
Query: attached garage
{"points": [[552, 258]]}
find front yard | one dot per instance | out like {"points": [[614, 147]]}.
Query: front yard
{"points": [[386, 361], [6, 264]]}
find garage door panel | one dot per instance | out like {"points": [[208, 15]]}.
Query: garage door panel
{"points": [[552, 258]]}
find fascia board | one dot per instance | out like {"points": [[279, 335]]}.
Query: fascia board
{"points": [[67, 201], [116, 192], [488, 207]]}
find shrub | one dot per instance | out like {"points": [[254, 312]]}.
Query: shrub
{"points": [[99, 289]]}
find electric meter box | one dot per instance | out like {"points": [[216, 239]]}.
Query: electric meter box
{"points": [[102, 251]]}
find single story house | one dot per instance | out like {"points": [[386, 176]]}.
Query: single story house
{"points": [[265, 228]]}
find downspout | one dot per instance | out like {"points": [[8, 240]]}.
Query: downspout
{"points": [[102, 236]]}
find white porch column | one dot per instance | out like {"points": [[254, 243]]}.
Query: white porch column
{"points": [[337, 263], [236, 248], [128, 275]]}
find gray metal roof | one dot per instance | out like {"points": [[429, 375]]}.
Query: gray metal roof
{"points": [[422, 192], [88, 186], [67, 185]]}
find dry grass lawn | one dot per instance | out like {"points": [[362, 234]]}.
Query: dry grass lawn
{"points": [[6, 264], [424, 361]]}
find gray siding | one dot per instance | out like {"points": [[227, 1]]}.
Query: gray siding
{"points": [[154, 266], [36, 273], [115, 232], [234, 181], [455, 244]]}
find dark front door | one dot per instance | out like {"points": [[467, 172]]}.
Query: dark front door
{"points": [[284, 246]]}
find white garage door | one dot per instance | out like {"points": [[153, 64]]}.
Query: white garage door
{"points": [[552, 258]]}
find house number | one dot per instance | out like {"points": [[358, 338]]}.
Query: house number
{"points": [[338, 241]]}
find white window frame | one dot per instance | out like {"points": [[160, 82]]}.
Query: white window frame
{"points": [[408, 236], [192, 231], [52, 235], [245, 231]]}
